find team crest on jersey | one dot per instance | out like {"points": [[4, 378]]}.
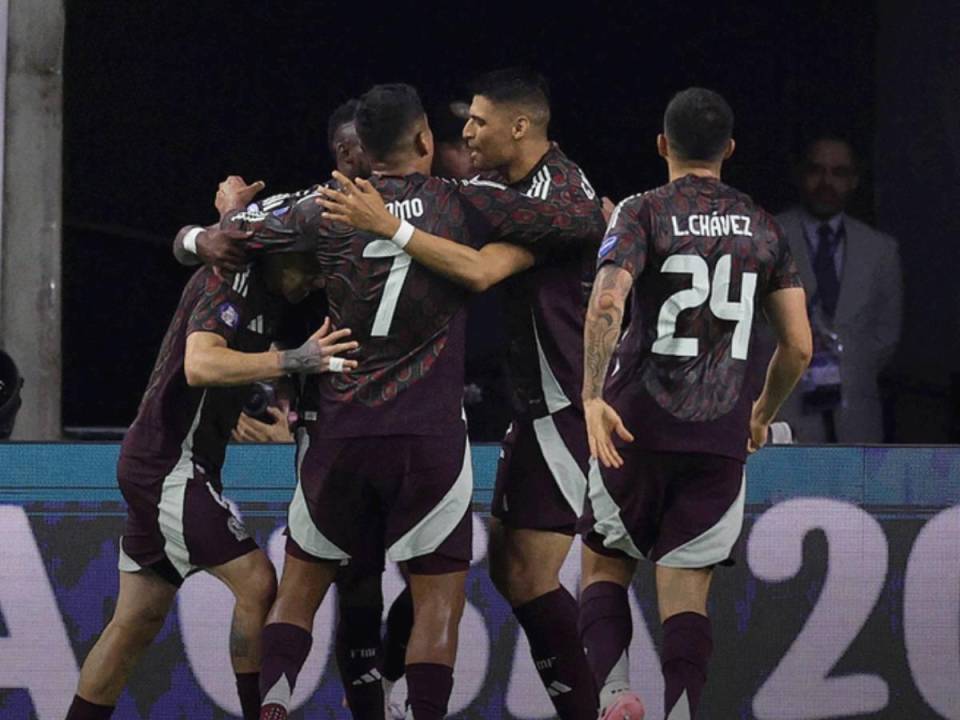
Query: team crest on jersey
{"points": [[609, 244], [228, 314]]}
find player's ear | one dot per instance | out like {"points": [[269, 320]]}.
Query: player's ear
{"points": [[731, 146], [521, 126], [424, 142], [663, 147]]}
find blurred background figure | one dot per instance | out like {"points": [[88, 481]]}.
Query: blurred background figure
{"points": [[854, 289], [10, 401]]}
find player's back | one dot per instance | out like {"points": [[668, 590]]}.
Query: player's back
{"points": [[703, 256]]}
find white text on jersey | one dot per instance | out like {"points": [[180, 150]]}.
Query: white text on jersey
{"points": [[711, 225], [406, 209]]}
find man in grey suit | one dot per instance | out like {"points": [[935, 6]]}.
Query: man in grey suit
{"points": [[853, 281]]}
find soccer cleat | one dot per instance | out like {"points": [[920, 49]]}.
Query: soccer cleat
{"points": [[627, 706], [273, 712]]}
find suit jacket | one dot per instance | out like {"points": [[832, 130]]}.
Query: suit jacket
{"points": [[868, 323]]}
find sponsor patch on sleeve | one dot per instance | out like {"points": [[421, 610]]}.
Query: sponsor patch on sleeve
{"points": [[228, 314], [609, 244]]}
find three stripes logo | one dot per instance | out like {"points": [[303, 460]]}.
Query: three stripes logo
{"points": [[557, 688], [367, 678], [540, 184]]}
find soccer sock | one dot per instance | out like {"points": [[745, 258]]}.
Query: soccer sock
{"points": [[399, 625], [285, 649], [358, 644], [687, 644], [248, 688], [428, 690], [550, 623], [80, 709], [606, 629]]}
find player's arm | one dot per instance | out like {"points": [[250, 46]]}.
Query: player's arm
{"points": [[210, 362], [362, 207], [786, 310], [600, 335], [211, 245]]}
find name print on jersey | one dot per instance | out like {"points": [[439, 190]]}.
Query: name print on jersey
{"points": [[714, 225], [406, 209]]}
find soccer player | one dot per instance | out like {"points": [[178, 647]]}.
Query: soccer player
{"points": [[169, 469], [541, 480], [680, 409], [386, 452]]}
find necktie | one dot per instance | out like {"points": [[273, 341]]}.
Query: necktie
{"points": [[825, 270]]}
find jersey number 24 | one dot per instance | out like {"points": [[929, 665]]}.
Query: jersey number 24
{"points": [[718, 292]]}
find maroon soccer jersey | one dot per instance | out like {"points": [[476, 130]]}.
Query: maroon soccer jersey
{"points": [[703, 258], [546, 305], [177, 423], [408, 320]]}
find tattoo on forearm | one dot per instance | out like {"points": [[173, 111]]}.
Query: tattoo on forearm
{"points": [[602, 329]]}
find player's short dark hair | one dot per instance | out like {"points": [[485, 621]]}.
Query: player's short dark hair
{"points": [[698, 123], [517, 86], [338, 118], [385, 116]]}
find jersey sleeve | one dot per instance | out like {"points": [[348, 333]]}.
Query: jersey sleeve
{"points": [[542, 226], [218, 308], [783, 271], [625, 243]]}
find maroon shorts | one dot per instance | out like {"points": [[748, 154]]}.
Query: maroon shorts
{"points": [[411, 492], [178, 525], [680, 510], [542, 474]]}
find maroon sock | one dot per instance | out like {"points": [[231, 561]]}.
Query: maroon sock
{"points": [[550, 623], [399, 625], [687, 644], [248, 688], [285, 649], [605, 632], [357, 648], [80, 709], [428, 690]]}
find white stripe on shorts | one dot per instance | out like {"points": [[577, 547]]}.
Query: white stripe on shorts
{"points": [[714, 545], [428, 534], [606, 514], [564, 468], [301, 526]]}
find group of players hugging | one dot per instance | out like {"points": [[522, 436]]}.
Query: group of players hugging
{"points": [[632, 434]]}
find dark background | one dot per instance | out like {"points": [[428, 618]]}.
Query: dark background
{"points": [[163, 99]]}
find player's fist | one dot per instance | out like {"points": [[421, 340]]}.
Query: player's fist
{"points": [[759, 430], [234, 193]]}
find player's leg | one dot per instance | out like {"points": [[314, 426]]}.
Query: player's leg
{"points": [[142, 606], [687, 640], [438, 601], [541, 483], [287, 636], [700, 526], [606, 629], [360, 602], [253, 582], [395, 642]]}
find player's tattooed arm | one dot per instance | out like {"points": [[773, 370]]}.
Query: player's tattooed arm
{"points": [[319, 353], [600, 335]]}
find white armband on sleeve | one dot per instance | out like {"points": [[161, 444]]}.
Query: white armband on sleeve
{"points": [[403, 234], [190, 240]]}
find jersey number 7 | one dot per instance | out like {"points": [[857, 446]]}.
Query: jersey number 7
{"points": [[740, 312], [393, 285]]}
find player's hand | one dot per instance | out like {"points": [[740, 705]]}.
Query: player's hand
{"points": [[602, 422], [225, 249], [249, 429], [608, 207], [359, 205], [320, 353], [234, 193], [759, 431]]}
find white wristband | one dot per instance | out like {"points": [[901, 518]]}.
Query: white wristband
{"points": [[403, 234], [190, 240], [336, 364]]}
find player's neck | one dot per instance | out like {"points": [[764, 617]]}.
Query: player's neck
{"points": [[402, 166], [528, 156], [677, 170]]}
